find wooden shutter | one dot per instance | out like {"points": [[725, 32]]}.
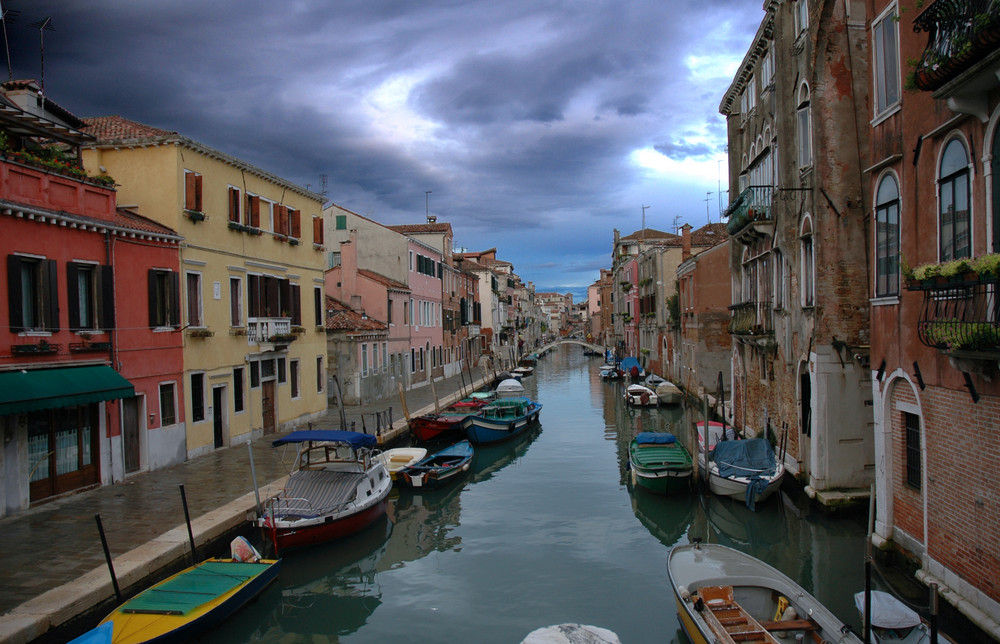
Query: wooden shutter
{"points": [[73, 294], [281, 219], [318, 302], [14, 294], [191, 196], [254, 215], [50, 279], [285, 298], [106, 297], [295, 223], [318, 230], [296, 304], [234, 204], [253, 296], [175, 300], [151, 291]]}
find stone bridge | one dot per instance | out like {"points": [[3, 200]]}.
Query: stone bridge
{"points": [[583, 343]]}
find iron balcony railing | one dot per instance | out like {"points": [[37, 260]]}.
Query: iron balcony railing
{"points": [[960, 314], [753, 205], [959, 33], [751, 318]]}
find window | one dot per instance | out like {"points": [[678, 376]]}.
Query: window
{"points": [[318, 305], [234, 205], [364, 359], [413, 359], [778, 263], [164, 298], [341, 222], [238, 396], [801, 9], [767, 68], [954, 199], [748, 99], [168, 404], [293, 368], [251, 216], [385, 354], [272, 297], [282, 375], [887, 237], [194, 317], [192, 191], [886, 76], [332, 259], [317, 230], [411, 260], [295, 223], [254, 374], [235, 301], [197, 397], [388, 309], [33, 297], [320, 374], [804, 127], [913, 468], [808, 263], [90, 294], [267, 368]]}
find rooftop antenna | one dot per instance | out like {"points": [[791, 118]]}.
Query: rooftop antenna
{"points": [[7, 15], [322, 184], [708, 196], [677, 218], [644, 221], [43, 26]]}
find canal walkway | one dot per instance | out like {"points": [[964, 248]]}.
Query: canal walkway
{"points": [[52, 564]]}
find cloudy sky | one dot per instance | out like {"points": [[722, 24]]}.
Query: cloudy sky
{"points": [[538, 126]]}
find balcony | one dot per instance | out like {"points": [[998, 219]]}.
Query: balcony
{"points": [[960, 34], [26, 181], [752, 322], [960, 315], [751, 213], [277, 331]]}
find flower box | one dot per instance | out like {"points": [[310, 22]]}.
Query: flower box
{"points": [[194, 215], [42, 348], [200, 333]]}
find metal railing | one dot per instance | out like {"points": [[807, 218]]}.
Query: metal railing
{"points": [[960, 315], [751, 318], [753, 204], [959, 33]]}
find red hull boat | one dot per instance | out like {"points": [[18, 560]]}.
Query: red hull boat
{"points": [[432, 426]]}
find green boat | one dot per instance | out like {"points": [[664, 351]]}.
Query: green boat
{"points": [[660, 463]]}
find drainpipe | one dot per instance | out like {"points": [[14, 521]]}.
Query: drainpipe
{"points": [[109, 260]]}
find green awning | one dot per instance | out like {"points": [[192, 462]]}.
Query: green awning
{"points": [[30, 390]]}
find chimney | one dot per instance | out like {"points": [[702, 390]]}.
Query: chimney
{"points": [[685, 242], [349, 267], [432, 219]]}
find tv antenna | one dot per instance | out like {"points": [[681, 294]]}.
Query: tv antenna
{"points": [[43, 26], [322, 184], [677, 218], [7, 15], [708, 196]]}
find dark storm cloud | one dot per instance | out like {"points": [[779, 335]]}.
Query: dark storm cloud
{"points": [[521, 117]]}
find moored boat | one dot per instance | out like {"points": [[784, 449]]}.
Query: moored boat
{"points": [[523, 371], [893, 621], [509, 388], [439, 468], [726, 596], [428, 427], [745, 469], [669, 393], [397, 458], [185, 605], [337, 488], [660, 463], [502, 419], [640, 396]]}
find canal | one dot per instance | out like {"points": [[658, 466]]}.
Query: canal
{"points": [[544, 530]]}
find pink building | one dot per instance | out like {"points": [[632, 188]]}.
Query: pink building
{"points": [[426, 328]]}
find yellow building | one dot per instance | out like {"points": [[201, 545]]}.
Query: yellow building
{"points": [[250, 292]]}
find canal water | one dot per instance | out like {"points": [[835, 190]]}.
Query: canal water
{"points": [[545, 529]]}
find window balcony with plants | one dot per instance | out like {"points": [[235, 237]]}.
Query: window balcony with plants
{"points": [[960, 33], [751, 210], [274, 330], [752, 320], [960, 312]]}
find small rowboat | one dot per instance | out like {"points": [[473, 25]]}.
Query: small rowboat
{"points": [[182, 607], [399, 457], [660, 463], [439, 468]]}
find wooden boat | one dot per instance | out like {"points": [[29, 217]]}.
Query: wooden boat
{"points": [[502, 419], [660, 463], [893, 621], [725, 596], [669, 393], [640, 396], [182, 607], [439, 468], [430, 427], [337, 488], [744, 469], [399, 457], [608, 372], [523, 371]]}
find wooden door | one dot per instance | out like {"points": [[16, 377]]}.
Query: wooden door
{"points": [[130, 434], [267, 405]]}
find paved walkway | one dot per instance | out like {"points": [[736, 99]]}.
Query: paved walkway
{"points": [[52, 565]]}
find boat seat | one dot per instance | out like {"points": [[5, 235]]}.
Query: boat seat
{"points": [[729, 621]]}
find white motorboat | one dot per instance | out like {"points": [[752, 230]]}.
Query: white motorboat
{"points": [[641, 396], [397, 458], [669, 393], [745, 469], [893, 621]]}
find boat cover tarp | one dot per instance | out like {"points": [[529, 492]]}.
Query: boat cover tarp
{"points": [[654, 438], [354, 439], [510, 386], [324, 490], [100, 635], [887, 611], [750, 458], [193, 587], [628, 363]]}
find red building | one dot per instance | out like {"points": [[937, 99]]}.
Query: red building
{"points": [[79, 356], [935, 324]]}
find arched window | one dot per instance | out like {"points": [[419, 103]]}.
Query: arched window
{"points": [[807, 262], [803, 123], [887, 237], [953, 187]]}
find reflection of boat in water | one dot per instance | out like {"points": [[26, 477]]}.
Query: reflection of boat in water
{"points": [[493, 457], [737, 526], [667, 520]]}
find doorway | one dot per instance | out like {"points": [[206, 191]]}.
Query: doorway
{"points": [[219, 415], [130, 434], [267, 406]]}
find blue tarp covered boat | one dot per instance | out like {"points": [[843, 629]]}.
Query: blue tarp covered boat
{"points": [[745, 469]]}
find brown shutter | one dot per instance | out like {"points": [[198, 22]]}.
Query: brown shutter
{"points": [[296, 224], [107, 297], [285, 298], [190, 187], [281, 220], [50, 279], [234, 204], [296, 305], [197, 193], [174, 315], [151, 291], [272, 290], [253, 296], [318, 230], [254, 211], [14, 294], [73, 295]]}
